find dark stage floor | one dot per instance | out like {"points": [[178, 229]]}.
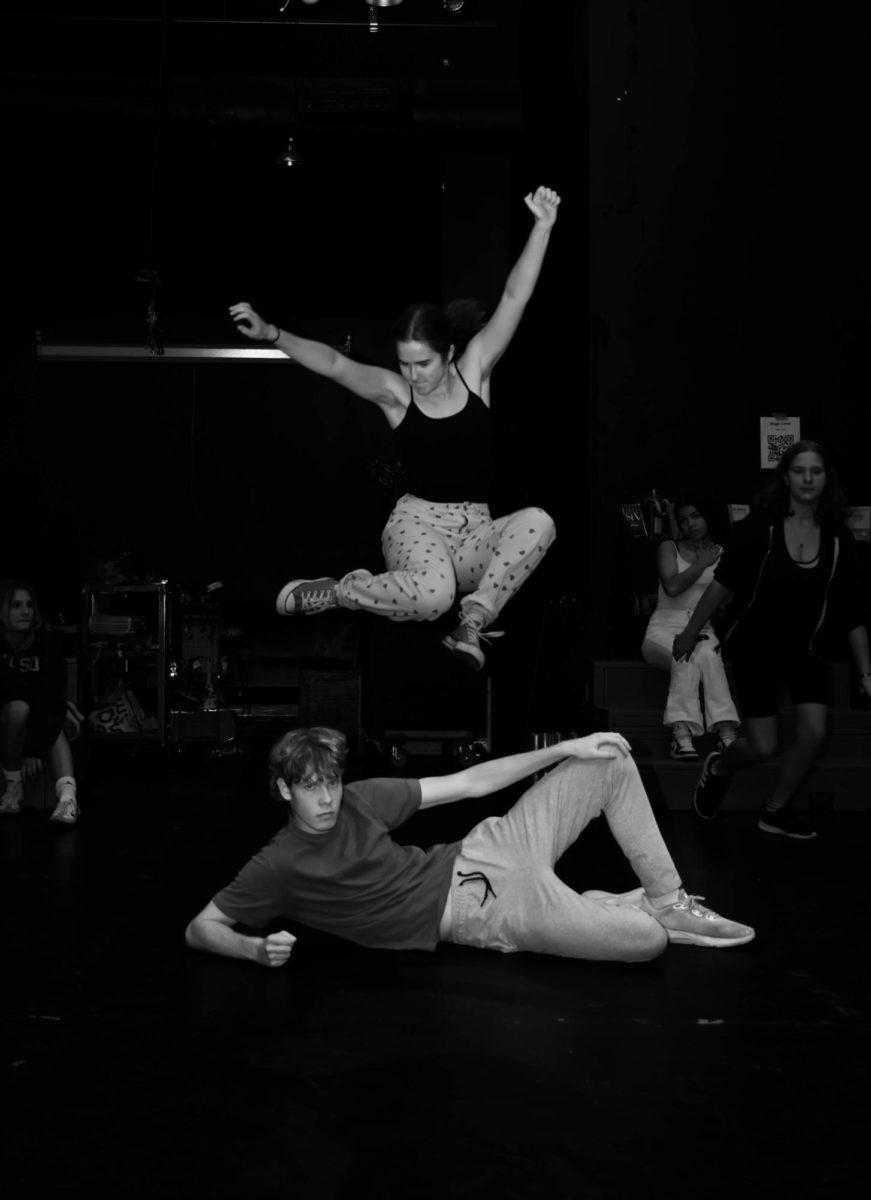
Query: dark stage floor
{"points": [[137, 1067]]}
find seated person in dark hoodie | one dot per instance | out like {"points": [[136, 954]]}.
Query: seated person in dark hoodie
{"points": [[790, 574]]}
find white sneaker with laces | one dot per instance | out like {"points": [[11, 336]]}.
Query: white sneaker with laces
{"points": [[681, 747], [10, 805], [690, 922], [682, 750], [66, 811]]}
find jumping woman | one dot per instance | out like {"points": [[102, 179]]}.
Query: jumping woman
{"points": [[440, 539]]}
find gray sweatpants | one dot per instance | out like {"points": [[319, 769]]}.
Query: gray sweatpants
{"points": [[505, 895]]}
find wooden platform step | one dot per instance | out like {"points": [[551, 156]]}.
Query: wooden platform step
{"points": [[629, 696], [849, 734], [842, 785], [632, 683]]}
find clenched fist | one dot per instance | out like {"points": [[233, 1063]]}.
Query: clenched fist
{"points": [[274, 950]]}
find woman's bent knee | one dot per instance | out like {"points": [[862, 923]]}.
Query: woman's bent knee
{"points": [[543, 523], [761, 751], [15, 712], [706, 653], [439, 600], [812, 739], [656, 655]]}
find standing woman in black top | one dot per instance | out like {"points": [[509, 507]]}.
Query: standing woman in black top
{"points": [[440, 539], [791, 576]]}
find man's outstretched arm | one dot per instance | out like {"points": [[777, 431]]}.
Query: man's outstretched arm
{"points": [[214, 931], [489, 777]]}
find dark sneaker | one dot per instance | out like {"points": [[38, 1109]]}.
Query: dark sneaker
{"points": [[786, 822], [690, 922], [465, 641], [710, 790], [725, 737], [307, 596], [682, 750]]}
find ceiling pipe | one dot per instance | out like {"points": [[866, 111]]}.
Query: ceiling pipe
{"points": [[494, 105], [281, 22]]}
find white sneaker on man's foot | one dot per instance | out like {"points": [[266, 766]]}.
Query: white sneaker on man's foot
{"points": [[304, 597], [691, 922]]}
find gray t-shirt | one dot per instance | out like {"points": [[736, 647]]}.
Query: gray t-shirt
{"points": [[354, 881]]}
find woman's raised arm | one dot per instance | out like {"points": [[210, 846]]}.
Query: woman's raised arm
{"points": [[381, 386], [489, 344]]}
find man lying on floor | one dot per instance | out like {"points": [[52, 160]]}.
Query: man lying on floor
{"points": [[335, 867]]}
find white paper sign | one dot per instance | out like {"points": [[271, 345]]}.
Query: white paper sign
{"points": [[859, 521], [737, 512], [776, 434]]}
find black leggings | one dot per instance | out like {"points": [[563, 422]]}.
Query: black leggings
{"points": [[757, 680]]}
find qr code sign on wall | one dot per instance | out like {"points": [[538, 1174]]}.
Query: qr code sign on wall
{"points": [[776, 434], [778, 444]]}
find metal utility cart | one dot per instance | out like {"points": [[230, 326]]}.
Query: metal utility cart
{"points": [[126, 660]]}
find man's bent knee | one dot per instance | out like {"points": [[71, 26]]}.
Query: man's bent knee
{"points": [[648, 941]]}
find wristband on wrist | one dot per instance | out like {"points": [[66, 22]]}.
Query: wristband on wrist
{"points": [[272, 341]]}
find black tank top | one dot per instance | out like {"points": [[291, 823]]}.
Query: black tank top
{"points": [[448, 459], [790, 598]]}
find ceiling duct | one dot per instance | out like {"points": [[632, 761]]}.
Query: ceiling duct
{"points": [[346, 99], [461, 106]]}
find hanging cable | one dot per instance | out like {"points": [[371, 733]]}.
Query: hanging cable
{"points": [[149, 274]]}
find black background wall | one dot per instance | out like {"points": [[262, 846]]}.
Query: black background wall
{"points": [[729, 245], [419, 143], [710, 264]]}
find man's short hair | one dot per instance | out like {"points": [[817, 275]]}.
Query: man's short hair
{"points": [[314, 753]]}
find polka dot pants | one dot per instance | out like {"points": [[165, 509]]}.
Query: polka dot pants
{"points": [[434, 551]]}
